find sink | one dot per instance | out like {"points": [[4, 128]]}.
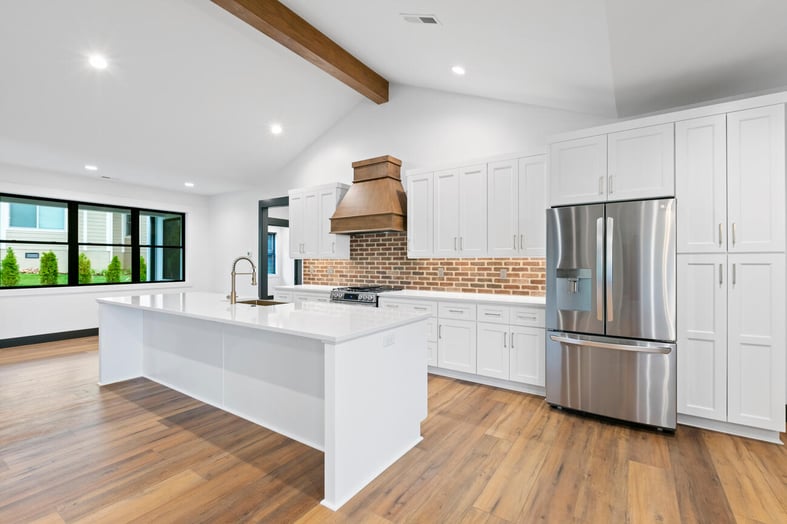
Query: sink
{"points": [[260, 302]]}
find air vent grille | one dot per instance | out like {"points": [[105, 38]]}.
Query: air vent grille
{"points": [[420, 19]]}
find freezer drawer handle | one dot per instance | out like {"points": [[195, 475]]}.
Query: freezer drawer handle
{"points": [[664, 350]]}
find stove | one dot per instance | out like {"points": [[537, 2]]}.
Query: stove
{"points": [[366, 295]]}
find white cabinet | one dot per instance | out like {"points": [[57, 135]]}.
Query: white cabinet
{"points": [[578, 171], [702, 335], [701, 184], [492, 350], [460, 212], [420, 215], [756, 319], [418, 306], [731, 338], [755, 179], [527, 355], [301, 297], [282, 297], [456, 345], [641, 163], [310, 224], [516, 204]]}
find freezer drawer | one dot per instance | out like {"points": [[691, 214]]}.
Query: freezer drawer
{"points": [[618, 378]]}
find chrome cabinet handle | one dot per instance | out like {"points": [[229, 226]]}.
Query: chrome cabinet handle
{"points": [[454, 243], [734, 275], [599, 267], [734, 234], [721, 274], [487, 313], [456, 311], [610, 268], [420, 308], [514, 241], [461, 244], [333, 247], [521, 241], [439, 331], [504, 340], [512, 341], [720, 234], [611, 186], [601, 185]]}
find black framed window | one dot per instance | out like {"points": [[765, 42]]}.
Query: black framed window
{"points": [[271, 253], [49, 242]]}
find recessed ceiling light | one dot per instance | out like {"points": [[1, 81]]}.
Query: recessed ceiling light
{"points": [[458, 70], [188, 184], [98, 61], [276, 129], [91, 167]]}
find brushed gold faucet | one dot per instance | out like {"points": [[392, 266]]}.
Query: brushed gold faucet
{"points": [[234, 296]]}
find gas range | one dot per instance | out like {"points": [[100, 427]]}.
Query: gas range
{"points": [[366, 295]]}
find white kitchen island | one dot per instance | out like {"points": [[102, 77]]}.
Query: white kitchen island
{"points": [[348, 380]]}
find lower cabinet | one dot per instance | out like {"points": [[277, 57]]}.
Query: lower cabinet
{"points": [[456, 345], [513, 353], [492, 350], [731, 338]]}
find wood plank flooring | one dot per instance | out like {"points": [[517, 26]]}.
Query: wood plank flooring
{"points": [[137, 451]]}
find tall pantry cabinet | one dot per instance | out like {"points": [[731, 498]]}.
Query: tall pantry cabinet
{"points": [[730, 189]]}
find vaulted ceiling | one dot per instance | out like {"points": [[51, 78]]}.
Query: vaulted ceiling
{"points": [[191, 91]]}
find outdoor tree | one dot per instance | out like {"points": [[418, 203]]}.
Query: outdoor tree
{"points": [[113, 270], [85, 271], [9, 269], [48, 271], [143, 270]]}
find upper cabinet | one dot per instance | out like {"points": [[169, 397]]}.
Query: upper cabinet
{"points": [[633, 164], [730, 182], [495, 209], [516, 203], [310, 223]]}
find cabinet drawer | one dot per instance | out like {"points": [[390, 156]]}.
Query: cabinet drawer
{"points": [[456, 310], [527, 316], [282, 297], [493, 313], [416, 306], [311, 298]]}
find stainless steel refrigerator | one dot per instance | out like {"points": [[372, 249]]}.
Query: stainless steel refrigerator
{"points": [[611, 310]]}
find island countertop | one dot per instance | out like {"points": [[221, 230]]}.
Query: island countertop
{"points": [[328, 322]]}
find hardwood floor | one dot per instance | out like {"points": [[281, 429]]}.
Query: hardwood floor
{"points": [[137, 451]]}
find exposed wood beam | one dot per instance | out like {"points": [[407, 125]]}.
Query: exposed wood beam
{"points": [[280, 23]]}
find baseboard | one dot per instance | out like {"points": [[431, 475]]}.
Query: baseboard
{"points": [[47, 337]]}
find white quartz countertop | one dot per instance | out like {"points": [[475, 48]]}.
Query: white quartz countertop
{"points": [[305, 287], [329, 322], [487, 298]]}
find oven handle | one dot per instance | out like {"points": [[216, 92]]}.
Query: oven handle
{"points": [[663, 350]]}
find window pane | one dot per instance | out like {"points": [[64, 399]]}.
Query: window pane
{"points": [[103, 225], [33, 265], [160, 229], [104, 264], [23, 215], [51, 217], [41, 219], [161, 264], [271, 253]]}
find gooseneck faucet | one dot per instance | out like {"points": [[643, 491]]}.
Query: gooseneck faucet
{"points": [[233, 295]]}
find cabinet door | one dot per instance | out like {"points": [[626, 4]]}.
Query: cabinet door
{"points": [[446, 213], [702, 335], [756, 325], [532, 203], [420, 215], [701, 184], [578, 171], [311, 224], [330, 245], [502, 203], [528, 347], [492, 350], [296, 225], [642, 163], [472, 211], [456, 345], [755, 180]]}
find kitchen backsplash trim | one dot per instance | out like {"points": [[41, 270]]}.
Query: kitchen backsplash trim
{"points": [[381, 258]]}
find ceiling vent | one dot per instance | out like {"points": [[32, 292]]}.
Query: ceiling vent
{"points": [[420, 19]]}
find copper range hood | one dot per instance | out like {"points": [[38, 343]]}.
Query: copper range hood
{"points": [[376, 200]]}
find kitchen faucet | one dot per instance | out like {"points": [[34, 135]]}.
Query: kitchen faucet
{"points": [[234, 296]]}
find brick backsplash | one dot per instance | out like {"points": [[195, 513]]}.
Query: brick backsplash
{"points": [[381, 258]]}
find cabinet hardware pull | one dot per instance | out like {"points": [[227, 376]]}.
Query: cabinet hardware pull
{"points": [[720, 234], [333, 247], [601, 185], [487, 313], [504, 340], [439, 331], [521, 241], [461, 244], [734, 234], [455, 311], [512, 341], [721, 274], [611, 184], [734, 275], [454, 243], [514, 241], [420, 308], [392, 306]]}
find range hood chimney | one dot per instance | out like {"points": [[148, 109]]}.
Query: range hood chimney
{"points": [[376, 201]]}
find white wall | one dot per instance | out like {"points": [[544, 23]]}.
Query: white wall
{"points": [[421, 127], [38, 311]]}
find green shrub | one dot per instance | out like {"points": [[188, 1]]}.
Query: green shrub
{"points": [[85, 271], [143, 270], [9, 269], [48, 271], [113, 270]]}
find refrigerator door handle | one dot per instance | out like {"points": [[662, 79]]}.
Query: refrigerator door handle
{"points": [[610, 305], [599, 268], [663, 350]]}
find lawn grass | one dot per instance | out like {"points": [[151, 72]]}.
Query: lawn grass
{"points": [[33, 279]]}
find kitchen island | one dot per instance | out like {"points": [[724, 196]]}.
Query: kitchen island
{"points": [[347, 380]]}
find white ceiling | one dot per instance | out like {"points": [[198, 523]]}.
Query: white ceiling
{"points": [[191, 91]]}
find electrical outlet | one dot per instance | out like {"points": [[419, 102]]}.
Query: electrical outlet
{"points": [[330, 271], [503, 273], [440, 272]]}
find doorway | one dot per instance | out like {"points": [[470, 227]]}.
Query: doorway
{"points": [[276, 268]]}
